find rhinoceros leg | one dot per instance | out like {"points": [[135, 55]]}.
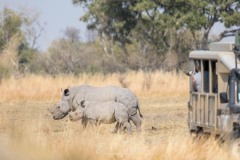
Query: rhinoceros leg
{"points": [[93, 122], [137, 121], [84, 123], [127, 125], [116, 128]]}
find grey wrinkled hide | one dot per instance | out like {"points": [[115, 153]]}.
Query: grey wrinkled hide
{"points": [[102, 112], [60, 110], [74, 95], [104, 94]]}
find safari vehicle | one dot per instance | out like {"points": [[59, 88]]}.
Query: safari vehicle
{"points": [[216, 109]]}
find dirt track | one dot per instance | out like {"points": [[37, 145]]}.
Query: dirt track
{"points": [[27, 131], [161, 117]]}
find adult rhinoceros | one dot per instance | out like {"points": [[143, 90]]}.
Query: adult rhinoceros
{"points": [[72, 97]]}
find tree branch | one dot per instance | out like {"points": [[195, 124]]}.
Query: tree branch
{"points": [[227, 33]]}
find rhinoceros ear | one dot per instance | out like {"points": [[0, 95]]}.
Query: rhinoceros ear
{"points": [[83, 103], [66, 92]]}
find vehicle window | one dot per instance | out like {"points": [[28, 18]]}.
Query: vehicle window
{"points": [[214, 77], [205, 76]]}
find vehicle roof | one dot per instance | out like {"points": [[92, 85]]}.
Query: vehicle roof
{"points": [[207, 54], [221, 54]]}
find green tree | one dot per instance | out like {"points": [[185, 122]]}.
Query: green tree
{"points": [[19, 28], [10, 25], [203, 14], [153, 22], [119, 18], [112, 18], [158, 26]]}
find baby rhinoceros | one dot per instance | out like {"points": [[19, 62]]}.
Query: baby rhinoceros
{"points": [[96, 113]]}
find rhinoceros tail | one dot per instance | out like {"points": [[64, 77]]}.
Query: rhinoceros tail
{"points": [[139, 111]]}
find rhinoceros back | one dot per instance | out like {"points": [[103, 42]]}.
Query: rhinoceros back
{"points": [[104, 94]]}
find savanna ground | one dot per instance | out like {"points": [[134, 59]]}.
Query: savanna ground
{"points": [[27, 130]]}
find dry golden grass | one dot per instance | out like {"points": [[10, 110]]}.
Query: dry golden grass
{"points": [[27, 130], [48, 88]]}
